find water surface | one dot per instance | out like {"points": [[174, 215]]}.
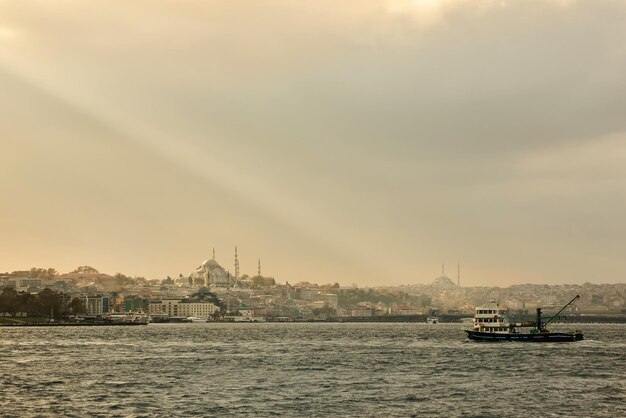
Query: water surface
{"points": [[299, 369]]}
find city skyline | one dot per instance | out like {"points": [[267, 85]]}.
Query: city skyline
{"points": [[348, 142], [233, 270]]}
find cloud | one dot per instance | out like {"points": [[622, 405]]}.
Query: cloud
{"points": [[391, 128], [603, 158]]}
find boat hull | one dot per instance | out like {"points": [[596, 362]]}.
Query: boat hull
{"points": [[546, 337]]}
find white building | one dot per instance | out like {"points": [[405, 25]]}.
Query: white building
{"points": [[96, 305], [183, 308]]}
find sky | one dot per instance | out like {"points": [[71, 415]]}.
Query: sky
{"points": [[337, 141]]}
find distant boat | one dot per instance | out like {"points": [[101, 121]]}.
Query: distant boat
{"points": [[196, 319], [128, 317], [432, 320], [249, 318], [491, 324]]}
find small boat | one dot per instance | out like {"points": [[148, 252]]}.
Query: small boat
{"points": [[249, 318], [490, 323], [195, 319]]}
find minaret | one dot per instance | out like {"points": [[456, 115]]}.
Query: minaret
{"points": [[458, 275], [228, 293], [236, 265], [213, 254], [443, 269], [259, 267]]}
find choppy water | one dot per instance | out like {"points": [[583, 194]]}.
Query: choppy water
{"points": [[306, 370]]}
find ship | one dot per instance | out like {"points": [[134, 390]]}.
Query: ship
{"points": [[491, 324]]}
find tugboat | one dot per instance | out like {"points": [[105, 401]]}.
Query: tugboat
{"points": [[491, 324]]}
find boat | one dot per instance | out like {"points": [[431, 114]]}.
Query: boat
{"points": [[248, 318], [432, 320], [128, 317], [195, 319], [490, 323]]}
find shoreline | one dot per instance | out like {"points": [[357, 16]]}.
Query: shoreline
{"points": [[73, 324], [443, 319]]}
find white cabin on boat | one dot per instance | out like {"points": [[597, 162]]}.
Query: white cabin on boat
{"points": [[491, 318]]}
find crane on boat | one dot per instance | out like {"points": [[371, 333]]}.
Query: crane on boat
{"points": [[541, 326]]}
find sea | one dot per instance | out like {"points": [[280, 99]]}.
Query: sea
{"points": [[307, 369]]}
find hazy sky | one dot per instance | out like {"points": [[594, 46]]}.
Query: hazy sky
{"points": [[355, 141]]}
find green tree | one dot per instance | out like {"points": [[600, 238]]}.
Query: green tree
{"points": [[325, 313], [425, 300], [260, 282], [119, 280], [76, 306], [27, 303], [51, 273], [50, 303], [41, 273], [9, 300], [85, 270]]}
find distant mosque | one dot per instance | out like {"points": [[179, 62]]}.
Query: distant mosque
{"points": [[446, 282], [217, 277]]}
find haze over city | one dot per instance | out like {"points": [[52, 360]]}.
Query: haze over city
{"points": [[351, 142]]}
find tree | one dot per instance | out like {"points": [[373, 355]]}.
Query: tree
{"points": [[9, 300], [41, 273], [206, 295], [121, 280], [76, 306], [27, 303], [216, 315], [259, 282], [325, 313], [50, 273], [85, 270], [50, 303], [425, 300]]}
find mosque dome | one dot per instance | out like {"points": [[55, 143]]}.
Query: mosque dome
{"points": [[210, 263], [444, 282]]}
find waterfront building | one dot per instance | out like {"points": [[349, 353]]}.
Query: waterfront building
{"points": [[361, 311], [165, 306], [96, 305], [183, 308], [134, 304], [197, 309], [246, 312], [406, 310]]}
